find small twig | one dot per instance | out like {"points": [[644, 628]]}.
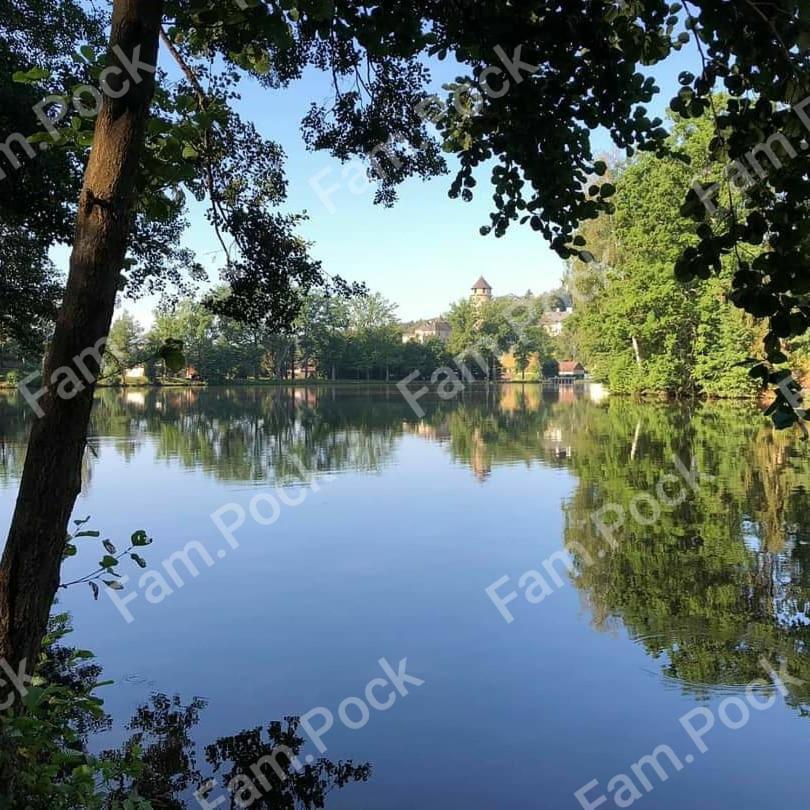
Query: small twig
{"points": [[99, 572], [203, 101], [770, 25], [184, 66]]}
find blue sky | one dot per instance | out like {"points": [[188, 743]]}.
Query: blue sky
{"points": [[425, 252]]}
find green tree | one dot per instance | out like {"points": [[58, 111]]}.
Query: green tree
{"points": [[706, 598], [482, 332], [151, 140], [320, 330], [531, 340], [638, 328], [126, 343], [373, 335]]}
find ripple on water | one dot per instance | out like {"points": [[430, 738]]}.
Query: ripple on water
{"points": [[671, 641]]}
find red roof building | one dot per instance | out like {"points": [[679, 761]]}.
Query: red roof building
{"points": [[571, 368]]}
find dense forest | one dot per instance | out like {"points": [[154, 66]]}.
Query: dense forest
{"points": [[636, 326]]}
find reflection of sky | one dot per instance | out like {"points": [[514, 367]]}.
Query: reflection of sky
{"points": [[788, 609], [393, 562]]}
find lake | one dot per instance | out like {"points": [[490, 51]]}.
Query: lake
{"points": [[522, 594]]}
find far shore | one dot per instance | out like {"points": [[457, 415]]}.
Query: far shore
{"points": [[321, 383]]}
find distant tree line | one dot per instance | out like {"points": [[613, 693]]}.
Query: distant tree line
{"points": [[334, 339]]}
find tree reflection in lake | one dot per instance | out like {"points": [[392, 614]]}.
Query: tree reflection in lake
{"points": [[48, 755], [718, 581], [714, 584], [251, 768]]}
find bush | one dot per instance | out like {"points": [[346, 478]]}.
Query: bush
{"points": [[44, 762]]}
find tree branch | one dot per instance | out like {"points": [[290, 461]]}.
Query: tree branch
{"points": [[202, 99]]}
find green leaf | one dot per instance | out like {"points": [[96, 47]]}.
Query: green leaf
{"points": [[139, 538], [30, 76], [88, 533], [141, 563], [33, 697], [108, 561]]}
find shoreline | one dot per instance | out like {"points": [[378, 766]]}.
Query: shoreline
{"points": [[317, 383]]}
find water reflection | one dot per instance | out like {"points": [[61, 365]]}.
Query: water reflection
{"points": [[718, 581], [251, 768], [257, 767], [714, 584]]}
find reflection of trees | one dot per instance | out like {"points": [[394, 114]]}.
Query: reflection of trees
{"points": [[486, 437], [251, 434], [284, 434], [162, 732], [716, 582], [15, 422], [495, 425], [159, 762]]}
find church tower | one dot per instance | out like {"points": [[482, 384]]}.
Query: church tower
{"points": [[481, 291]]}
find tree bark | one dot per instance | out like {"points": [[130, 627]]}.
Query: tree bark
{"points": [[51, 479], [636, 350]]}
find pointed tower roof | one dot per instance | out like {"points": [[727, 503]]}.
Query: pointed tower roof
{"points": [[481, 284]]}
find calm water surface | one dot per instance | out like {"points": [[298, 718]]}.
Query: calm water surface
{"points": [[401, 525]]}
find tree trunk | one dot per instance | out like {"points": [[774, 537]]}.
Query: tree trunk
{"points": [[51, 479], [636, 350]]}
